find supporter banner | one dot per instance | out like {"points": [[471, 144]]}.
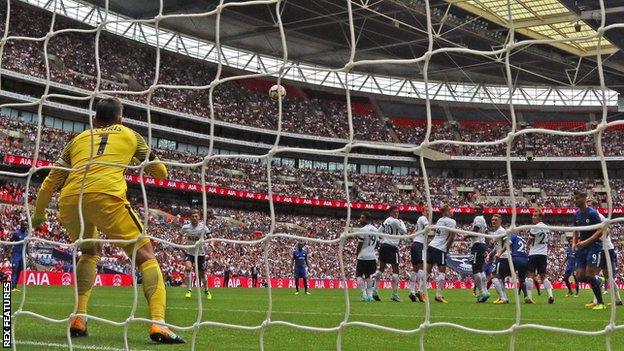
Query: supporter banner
{"points": [[216, 281], [65, 278], [461, 264], [178, 185]]}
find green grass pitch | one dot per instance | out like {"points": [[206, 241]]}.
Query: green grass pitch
{"points": [[324, 308]]}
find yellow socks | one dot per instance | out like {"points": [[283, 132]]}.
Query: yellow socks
{"points": [[153, 285], [154, 289], [85, 277]]}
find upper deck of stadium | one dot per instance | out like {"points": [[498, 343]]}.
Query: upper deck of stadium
{"points": [[555, 72], [251, 122]]}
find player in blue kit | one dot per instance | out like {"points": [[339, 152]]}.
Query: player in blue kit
{"points": [[570, 265], [519, 258], [588, 247], [300, 267], [17, 259], [489, 267]]}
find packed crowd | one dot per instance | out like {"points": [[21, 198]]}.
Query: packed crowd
{"points": [[126, 66], [251, 175], [166, 215]]}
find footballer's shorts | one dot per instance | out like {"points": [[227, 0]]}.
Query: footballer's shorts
{"points": [[502, 268], [436, 256], [489, 268], [416, 252], [612, 256], [537, 264], [477, 257], [569, 270], [201, 261], [365, 268], [520, 265], [300, 273], [388, 254], [589, 256], [109, 214], [17, 261]]}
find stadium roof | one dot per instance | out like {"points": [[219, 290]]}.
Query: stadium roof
{"points": [[541, 19], [317, 32]]}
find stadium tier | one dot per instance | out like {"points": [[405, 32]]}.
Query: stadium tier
{"points": [[421, 167], [244, 102]]}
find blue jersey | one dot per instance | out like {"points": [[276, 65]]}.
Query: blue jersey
{"points": [[300, 257], [588, 216], [570, 256], [17, 249], [518, 246]]}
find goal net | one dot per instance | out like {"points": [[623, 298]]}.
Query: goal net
{"points": [[280, 69]]}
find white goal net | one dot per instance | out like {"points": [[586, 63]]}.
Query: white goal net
{"points": [[104, 21]]}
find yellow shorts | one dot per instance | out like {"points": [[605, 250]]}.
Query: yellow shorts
{"points": [[109, 214]]}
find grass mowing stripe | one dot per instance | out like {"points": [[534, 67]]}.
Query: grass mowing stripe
{"points": [[324, 309], [436, 316], [75, 346]]}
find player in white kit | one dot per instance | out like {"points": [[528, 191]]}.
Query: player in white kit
{"points": [[192, 232], [502, 256], [539, 237], [478, 252], [389, 251], [438, 249], [366, 257], [418, 277]]}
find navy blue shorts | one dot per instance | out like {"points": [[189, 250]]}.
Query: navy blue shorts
{"points": [[201, 261], [569, 270], [520, 264], [537, 264], [589, 256], [16, 261], [488, 268], [365, 268], [477, 257], [388, 254], [300, 273], [612, 256], [417, 252], [436, 256]]}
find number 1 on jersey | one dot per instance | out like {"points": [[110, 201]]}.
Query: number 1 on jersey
{"points": [[103, 142]]}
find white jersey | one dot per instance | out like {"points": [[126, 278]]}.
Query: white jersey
{"points": [[541, 236], [607, 243], [193, 235], [420, 227], [440, 240], [392, 226], [499, 242], [481, 225], [369, 241]]}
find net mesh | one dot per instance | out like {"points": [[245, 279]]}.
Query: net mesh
{"points": [[511, 44]]}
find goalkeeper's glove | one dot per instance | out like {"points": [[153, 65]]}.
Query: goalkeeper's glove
{"points": [[38, 219]]}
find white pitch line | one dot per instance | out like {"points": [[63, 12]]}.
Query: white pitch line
{"points": [[75, 346], [510, 318]]}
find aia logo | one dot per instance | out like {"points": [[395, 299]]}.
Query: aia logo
{"points": [[66, 279], [116, 280]]}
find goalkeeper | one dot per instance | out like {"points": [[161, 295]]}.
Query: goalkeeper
{"points": [[105, 208]]}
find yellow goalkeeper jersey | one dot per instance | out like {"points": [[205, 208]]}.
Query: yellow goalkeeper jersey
{"points": [[117, 145]]}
